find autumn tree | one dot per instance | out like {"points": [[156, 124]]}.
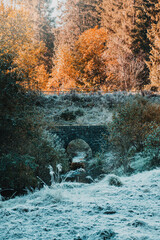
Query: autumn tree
{"points": [[12, 94], [83, 66], [77, 16], [63, 73], [88, 61], [23, 143], [123, 69], [20, 48], [40, 12], [19, 58]]}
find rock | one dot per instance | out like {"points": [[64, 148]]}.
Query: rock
{"points": [[77, 165], [77, 146]]}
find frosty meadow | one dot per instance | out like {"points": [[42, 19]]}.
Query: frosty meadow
{"points": [[79, 119]]}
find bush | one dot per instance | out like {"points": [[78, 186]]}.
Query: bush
{"points": [[152, 145], [26, 152], [131, 127], [114, 181], [68, 115], [48, 150], [17, 172]]}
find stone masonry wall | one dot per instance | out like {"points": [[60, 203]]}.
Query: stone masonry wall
{"points": [[95, 136]]}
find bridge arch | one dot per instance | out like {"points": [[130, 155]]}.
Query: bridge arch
{"points": [[94, 136], [78, 148]]}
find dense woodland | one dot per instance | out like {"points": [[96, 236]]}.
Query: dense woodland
{"points": [[93, 45], [107, 45]]}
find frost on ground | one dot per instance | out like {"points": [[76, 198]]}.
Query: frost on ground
{"points": [[83, 109], [80, 109], [72, 211]]}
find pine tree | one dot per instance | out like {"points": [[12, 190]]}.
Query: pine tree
{"points": [[125, 70], [154, 61], [41, 15], [77, 16], [144, 15]]}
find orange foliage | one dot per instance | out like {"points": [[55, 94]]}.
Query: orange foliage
{"points": [[88, 58], [19, 45], [41, 76], [63, 72], [83, 66]]}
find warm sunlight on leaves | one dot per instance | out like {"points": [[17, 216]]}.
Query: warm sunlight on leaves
{"points": [[63, 72], [83, 66], [18, 44]]}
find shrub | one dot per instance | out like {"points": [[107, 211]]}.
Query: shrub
{"points": [[17, 172], [68, 115], [114, 181], [49, 151], [152, 145], [131, 126], [26, 153]]}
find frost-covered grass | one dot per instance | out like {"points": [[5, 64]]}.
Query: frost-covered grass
{"points": [[83, 109], [92, 108], [125, 208], [72, 211]]}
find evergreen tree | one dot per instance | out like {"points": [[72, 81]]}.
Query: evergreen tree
{"points": [[144, 15], [154, 61], [41, 15], [125, 70], [77, 16]]}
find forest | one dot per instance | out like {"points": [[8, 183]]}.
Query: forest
{"points": [[87, 65], [92, 46], [107, 45]]}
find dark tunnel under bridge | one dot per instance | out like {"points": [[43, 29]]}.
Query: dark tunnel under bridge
{"points": [[95, 136]]}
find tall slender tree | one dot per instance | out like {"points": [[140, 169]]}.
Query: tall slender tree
{"points": [[125, 70], [44, 23], [77, 16], [154, 59], [144, 16]]}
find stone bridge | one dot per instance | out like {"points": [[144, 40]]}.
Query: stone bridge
{"points": [[95, 136]]}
